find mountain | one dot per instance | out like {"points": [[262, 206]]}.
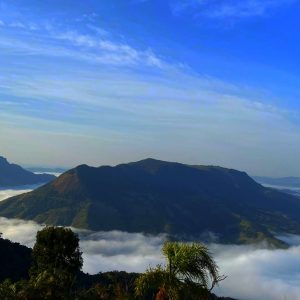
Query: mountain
{"points": [[14, 175], [288, 182], [153, 196]]}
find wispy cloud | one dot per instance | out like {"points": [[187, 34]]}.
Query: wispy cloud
{"points": [[229, 8], [17, 24], [98, 92], [98, 30], [106, 110], [109, 51], [100, 47], [104, 106]]}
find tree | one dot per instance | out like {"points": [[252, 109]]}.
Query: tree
{"points": [[56, 261], [56, 248], [190, 273], [14, 290]]}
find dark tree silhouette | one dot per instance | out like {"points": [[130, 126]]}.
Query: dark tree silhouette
{"points": [[56, 261]]}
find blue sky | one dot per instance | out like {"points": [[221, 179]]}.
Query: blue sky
{"points": [[196, 81]]}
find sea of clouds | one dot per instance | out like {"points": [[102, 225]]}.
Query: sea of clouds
{"points": [[56, 174], [253, 272], [14, 191], [287, 189]]}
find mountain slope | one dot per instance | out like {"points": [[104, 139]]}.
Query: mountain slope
{"points": [[154, 196], [14, 175]]}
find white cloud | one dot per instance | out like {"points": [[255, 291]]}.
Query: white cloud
{"points": [[109, 92], [102, 251], [172, 115], [100, 31], [229, 8], [89, 17], [20, 231], [50, 40], [109, 51], [252, 272], [7, 193], [17, 24], [117, 250], [256, 274]]}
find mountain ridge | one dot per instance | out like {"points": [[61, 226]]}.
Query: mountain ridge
{"points": [[153, 196], [12, 175]]}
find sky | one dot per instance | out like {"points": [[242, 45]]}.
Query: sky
{"points": [[212, 82]]}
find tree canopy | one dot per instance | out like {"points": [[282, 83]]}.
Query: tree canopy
{"points": [[56, 248], [190, 272], [56, 261]]}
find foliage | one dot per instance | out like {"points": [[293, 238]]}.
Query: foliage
{"points": [[56, 275], [114, 285], [190, 273], [154, 279], [191, 263], [56, 261], [56, 248], [16, 290]]}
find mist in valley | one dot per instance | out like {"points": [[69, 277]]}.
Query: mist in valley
{"points": [[253, 272]]}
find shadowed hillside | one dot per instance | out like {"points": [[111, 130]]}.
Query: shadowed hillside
{"points": [[154, 196], [15, 260]]}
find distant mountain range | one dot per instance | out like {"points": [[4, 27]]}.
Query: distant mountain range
{"points": [[291, 182], [289, 185], [46, 170], [13, 175], [153, 196]]}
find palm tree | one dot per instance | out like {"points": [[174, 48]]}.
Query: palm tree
{"points": [[190, 273]]}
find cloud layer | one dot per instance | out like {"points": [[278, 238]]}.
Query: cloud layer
{"points": [[252, 272], [7, 193], [255, 273]]}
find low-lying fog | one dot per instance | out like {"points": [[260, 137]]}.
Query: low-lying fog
{"points": [[295, 191], [252, 272], [14, 191]]}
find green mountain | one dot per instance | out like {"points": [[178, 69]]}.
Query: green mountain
{"points": [[154, 196], [14, 175]]}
